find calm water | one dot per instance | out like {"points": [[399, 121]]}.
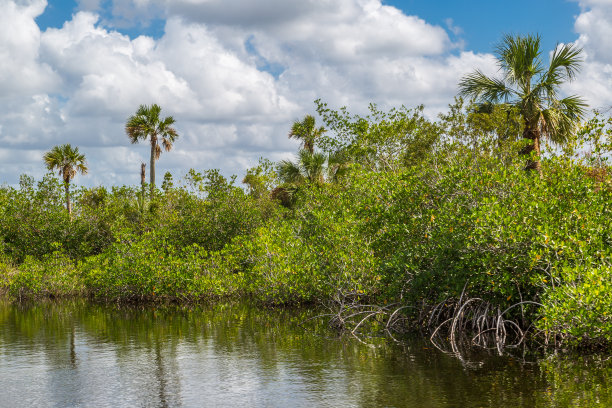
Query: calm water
{"points": [[82, 355]]}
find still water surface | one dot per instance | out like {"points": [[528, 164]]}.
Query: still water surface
{"points": [[74, 354]]}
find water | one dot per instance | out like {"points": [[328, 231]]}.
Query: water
{"points": [[74, 354]]}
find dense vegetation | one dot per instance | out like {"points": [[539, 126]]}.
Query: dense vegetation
{"points": [[422, 212], [425, 217]]}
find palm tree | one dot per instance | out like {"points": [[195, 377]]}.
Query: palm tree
{"points": [[533, 89], [69, 162], [309, 168], [146, 123], [307, 132]]}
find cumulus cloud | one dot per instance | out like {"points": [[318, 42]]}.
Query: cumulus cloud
{"points": [[233, 73], [21, 71], [594, 26]]}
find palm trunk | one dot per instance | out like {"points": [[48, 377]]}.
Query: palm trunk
{"points": [[143, 178], [152, 167], [309, 145], [68, 204], [533, 136]]}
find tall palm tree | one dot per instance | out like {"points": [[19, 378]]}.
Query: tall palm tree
{"points": [[68, 161], [307, 132], [533, 88], [146, 123]]}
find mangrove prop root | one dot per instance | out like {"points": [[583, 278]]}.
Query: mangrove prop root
{"points": [[455, 325]]}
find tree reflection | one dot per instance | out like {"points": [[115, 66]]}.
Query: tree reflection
{"points": [[239, 355]]}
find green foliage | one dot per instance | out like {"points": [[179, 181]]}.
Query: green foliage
{"points": [[594, 141], [33, 220], [53, 275], [319, 255], [261, 179], [579, 306], [380, 140], [168, 183], [150, 267]]}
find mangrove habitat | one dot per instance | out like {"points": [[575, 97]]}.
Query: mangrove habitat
{"points": [[487, 227]]}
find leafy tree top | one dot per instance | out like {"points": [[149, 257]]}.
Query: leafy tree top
{"points": [[67, 160], [533, 87], [146, 123]]}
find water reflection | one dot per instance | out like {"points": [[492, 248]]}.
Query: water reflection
{"points": [[78, 354]]}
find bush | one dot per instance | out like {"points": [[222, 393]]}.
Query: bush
{"points": [[55, 275], [149, 267], [579, 309]]}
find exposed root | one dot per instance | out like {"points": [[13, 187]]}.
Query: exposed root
{"points": [[360, 320], [455, 326], [487, 327]]}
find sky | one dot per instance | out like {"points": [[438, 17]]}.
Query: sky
{"points": [[235, 74]]}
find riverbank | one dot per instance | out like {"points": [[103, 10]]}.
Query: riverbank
{"points": [[454, 324]]}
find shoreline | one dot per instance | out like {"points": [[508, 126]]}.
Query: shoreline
{"points": [[454, 344]]}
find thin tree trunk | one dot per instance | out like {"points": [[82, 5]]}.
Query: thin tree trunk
{"points": [[143, 180], [68, 204], [152, 168], [143, 174]]}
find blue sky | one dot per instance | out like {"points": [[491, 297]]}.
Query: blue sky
{"points": [[236, 73], [483, 22], [59, 11]]}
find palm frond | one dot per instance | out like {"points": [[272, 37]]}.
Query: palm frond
{"points": [[82, 168], [307, 132], [313, 165], [289, 172], [519, 58], [479, 86], [136, 128], [561, 120], [166, 123], [67, 160], [168, 135], [565, 64]]}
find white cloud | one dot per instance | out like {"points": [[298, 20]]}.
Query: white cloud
{"points": [[594, 26], [233, 73], [229, 88], [106, 73], [21, 71]]}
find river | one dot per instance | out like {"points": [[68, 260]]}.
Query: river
{"points": [[77, 354]]}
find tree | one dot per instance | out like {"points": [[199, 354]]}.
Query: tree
{"points": [[68, 161], [307, 132], [168, 183], [146, 123], [260, 179], [532, 88], [380, 140]]}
